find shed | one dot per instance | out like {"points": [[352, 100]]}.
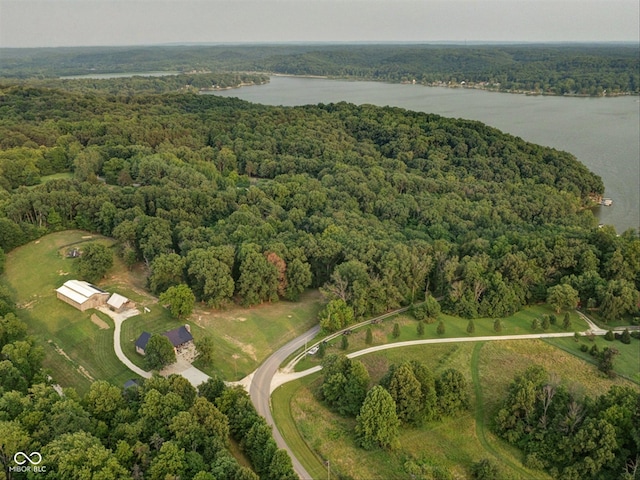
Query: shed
{"points": [[141, 342], [117, 302], [82, 295]]}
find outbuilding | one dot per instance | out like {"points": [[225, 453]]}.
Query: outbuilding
{"points": [[82, 295], [118, 303]]}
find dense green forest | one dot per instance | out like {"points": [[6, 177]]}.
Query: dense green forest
{"points": [[576, 69], [248, 203], [158, 428], [572, 436]]}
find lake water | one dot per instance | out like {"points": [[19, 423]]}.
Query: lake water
{"points": [[603, 133]]}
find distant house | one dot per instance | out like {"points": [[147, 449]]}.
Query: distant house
{"points": [[180, 337], [82, 295], [118, 303]]}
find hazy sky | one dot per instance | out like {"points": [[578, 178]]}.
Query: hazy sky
{"points": [[34, 23]]}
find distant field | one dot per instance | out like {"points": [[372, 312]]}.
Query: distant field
{"points": [[451, 444], [77, 350], [517, 324]]}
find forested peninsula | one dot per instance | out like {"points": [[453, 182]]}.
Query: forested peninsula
{"points": [[247, 203], [549, 69]]}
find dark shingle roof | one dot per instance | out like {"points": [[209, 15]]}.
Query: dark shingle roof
{"points": [[178, 336], [142, 340]]}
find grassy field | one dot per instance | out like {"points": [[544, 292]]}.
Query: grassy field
{"points": [[626, 363], [76, 350], [452, 444], [517, 324]]}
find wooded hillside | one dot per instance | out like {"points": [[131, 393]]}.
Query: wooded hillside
{"points": [[250, 203]]}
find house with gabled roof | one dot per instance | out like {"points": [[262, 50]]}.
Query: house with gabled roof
{"points": [[179, 338]]}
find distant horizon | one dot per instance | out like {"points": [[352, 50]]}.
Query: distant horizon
{"points": [[332, 43], [69, 23]]}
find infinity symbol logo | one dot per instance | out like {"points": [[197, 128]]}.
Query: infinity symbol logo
{"points": [[27, 458]]}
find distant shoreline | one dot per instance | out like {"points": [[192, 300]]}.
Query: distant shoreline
{"points": [[469, 86]]}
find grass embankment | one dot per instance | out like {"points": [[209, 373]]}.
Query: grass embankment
{"points": [[455, 327], [77, 351], [453, 444]]}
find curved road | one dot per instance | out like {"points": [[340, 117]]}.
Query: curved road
{"points": [[267, 378], [260, 391]]}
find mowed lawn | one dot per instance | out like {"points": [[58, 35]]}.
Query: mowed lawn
{"points": [[455, 327], [77, 351], [452, 444]]}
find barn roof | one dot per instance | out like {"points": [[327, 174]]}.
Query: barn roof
{"points": [[79, 291]]}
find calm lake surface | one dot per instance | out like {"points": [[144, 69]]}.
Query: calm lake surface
{"points": [[603, 133]]}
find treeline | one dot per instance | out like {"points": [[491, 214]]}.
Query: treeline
{"points": [[586, 69], [160, 428], [571, 436], [249, 203], [408, 394], [128, 86]]}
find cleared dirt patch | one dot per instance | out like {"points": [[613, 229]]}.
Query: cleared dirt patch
{"points": [[102, 325], [248, 349]]}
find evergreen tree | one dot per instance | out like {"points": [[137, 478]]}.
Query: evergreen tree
{"points": [[369, 338], [545, 322], [440, 330], [625, 337], [566, 323], [344, 343], [471, 327], [535, 324], [497, 325], [405, 390], [377, 425], [420, 329], [396, 330]]}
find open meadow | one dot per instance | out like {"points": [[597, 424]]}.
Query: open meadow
{"points": [[79, 350], [451, 444]]}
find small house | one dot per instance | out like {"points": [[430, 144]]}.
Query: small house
{"points": [[82, 295], [180, 337]]}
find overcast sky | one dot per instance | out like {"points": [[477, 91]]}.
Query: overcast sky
{"points": [[51, 23]]}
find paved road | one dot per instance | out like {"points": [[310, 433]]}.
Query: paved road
{"points": [[260, 391], [267, 378]]}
